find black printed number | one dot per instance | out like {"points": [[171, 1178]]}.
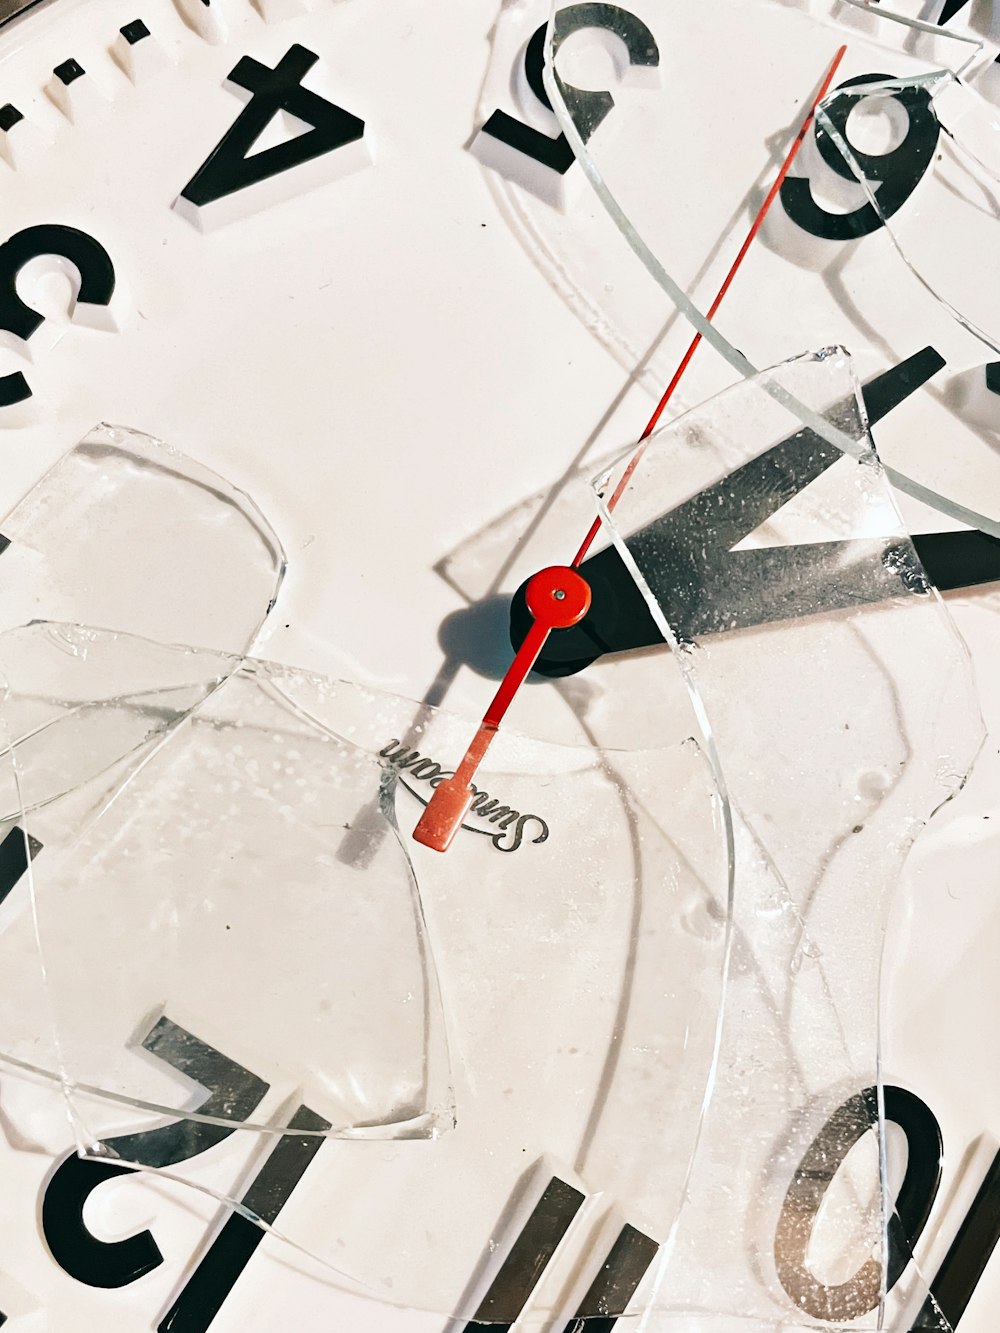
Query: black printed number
{"points": [[962, 1268], [588, 108], [233, 1093], [231, 166], [851, 1120], [97, 284], [893, 176]]}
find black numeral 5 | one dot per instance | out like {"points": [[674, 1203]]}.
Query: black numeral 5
{"points": [[539, 160]]}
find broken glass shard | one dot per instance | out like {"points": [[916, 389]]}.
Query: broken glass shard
{"points": [[120, 534], [949, 218], [610, 1079], [256, 956], [616, 61], [939, 980], [185, 829], [836, 735], [683, 194]]}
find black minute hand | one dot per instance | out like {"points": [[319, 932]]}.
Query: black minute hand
{"points": [[737, 589]]}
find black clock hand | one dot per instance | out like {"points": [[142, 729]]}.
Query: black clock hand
{"points": [[829, 576], [742, 588], [558, 597]]}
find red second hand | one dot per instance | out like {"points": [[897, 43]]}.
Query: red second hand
{"points": [[558, 597]]}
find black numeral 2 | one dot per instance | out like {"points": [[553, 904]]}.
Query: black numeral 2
{"points": [[232, 169]]}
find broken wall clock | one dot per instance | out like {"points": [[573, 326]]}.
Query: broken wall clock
{"points": [[377, 302]]}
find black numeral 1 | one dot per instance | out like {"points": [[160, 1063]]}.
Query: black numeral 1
{"points": [[966, 1260], [17, 848], [233, 1248], [533, 1249], [529, 1256], [614, 1286]]}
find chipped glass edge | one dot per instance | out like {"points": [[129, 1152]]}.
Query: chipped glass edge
{"points": [[697, 319], [931, 83], [431, 1123]]}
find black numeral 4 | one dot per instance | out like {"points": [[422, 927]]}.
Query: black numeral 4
{"points": [[235, 180]]}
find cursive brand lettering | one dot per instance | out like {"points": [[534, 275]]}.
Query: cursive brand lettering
{"points": [[510, 822]]}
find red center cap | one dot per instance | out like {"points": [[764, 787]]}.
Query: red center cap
{"points": [[558, 596]]}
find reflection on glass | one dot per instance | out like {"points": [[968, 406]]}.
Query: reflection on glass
{"points": [[838, 730], [188, 823]]}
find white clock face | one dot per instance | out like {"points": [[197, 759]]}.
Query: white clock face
{"points": [[337, 255]]}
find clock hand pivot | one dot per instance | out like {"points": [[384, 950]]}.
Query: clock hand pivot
{"points": [[557, 597]]}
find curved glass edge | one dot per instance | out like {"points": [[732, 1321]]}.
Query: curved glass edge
{"points": [[163, 520], [989, 523], [940, 735]]}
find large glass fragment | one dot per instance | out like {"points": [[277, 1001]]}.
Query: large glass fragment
{"points": [[271, 949], [181, 826], [604, 1117], [682, 191], [946, 225], [940, 992], [122, 532], [837, 735], [489, 567], [625, 59]]}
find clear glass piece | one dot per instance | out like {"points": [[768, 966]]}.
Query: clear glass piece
{"points": [[840, 721], [122, 532], [268, 946], [683, 193], [188, 833]]}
